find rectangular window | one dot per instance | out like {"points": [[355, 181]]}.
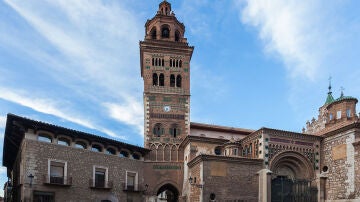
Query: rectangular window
{"points": [[330, 116], [348, 113], [338, 115], [100, 177], [235, 152], [131, 180], [57, 172]]}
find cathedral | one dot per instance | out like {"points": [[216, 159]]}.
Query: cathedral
{"points": [[183, 161]]}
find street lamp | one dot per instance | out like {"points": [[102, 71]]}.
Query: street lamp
{"points": [[193, 184], [31, 177]]}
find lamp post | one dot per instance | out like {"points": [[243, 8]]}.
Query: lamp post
{"points": [[193, 184], [31, 177]]}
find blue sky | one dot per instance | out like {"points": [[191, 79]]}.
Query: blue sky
{"points": [[256, 63]]}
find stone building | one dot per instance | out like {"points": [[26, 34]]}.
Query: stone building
{"points": [[182, 160]]}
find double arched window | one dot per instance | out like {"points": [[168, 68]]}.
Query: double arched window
{"points": [[175, 81], [158, 80]]}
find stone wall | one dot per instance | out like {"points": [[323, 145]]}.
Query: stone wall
{"points": [[229, 178], [338, 157], [80, 163], [357, 169]]}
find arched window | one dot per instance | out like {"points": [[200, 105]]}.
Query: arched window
{"points": [[153, 33], [162, 62], [178, 81], [110, 151], [158, 130], [44, 138], [155, 79], [81, 145], [172, 80], [217, 151], [174, 130], [63, 141], [124, 154], [153, 61], [177, 36], [170, 62], [96, 148], [156, 62], [177, 63], [161, 80], [165, 32], [180, 63], [136, 156]]}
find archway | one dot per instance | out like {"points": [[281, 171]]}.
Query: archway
{"points": [[168, 193], [292, 178]]}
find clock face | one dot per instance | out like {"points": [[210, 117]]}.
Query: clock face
{"points": [[167, 108]]}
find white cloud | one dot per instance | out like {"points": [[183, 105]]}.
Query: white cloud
{"points": [[94, 49], [130, 113], [51, 107], [293, 30], [2, 121]]}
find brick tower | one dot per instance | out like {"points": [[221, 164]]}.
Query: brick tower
{"points": [[165, 68]]}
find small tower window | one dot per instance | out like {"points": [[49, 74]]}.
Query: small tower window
{"points": [[348, 113], [158, 130], [174, 130], [177, 36], [153, 33], [155, 79], [338, 114], [172, 80], [165, 32], [161, 80], [178, 81], [217, 151], [330, 116]]}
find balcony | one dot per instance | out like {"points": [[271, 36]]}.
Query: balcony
{"points": [[100, 184], [58, 180], [133, 188]]}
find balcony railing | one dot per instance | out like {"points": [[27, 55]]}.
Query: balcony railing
{"points": [[58, 180], [100, 184], [133, 188]]}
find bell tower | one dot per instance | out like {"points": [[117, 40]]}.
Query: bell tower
{"points": [[165, 68]]}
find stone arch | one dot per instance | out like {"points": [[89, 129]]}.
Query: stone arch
{"points": [[170, 186], [152, 155], [293, 164], [166, 152], [174, 154], [160, 153]]}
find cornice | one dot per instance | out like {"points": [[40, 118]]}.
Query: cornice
{"points": [[232, 159]]}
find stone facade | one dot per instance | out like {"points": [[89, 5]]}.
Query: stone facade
{"points": [[58, 164]]}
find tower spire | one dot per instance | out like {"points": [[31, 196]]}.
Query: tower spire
{"points": [[329, 98]]}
